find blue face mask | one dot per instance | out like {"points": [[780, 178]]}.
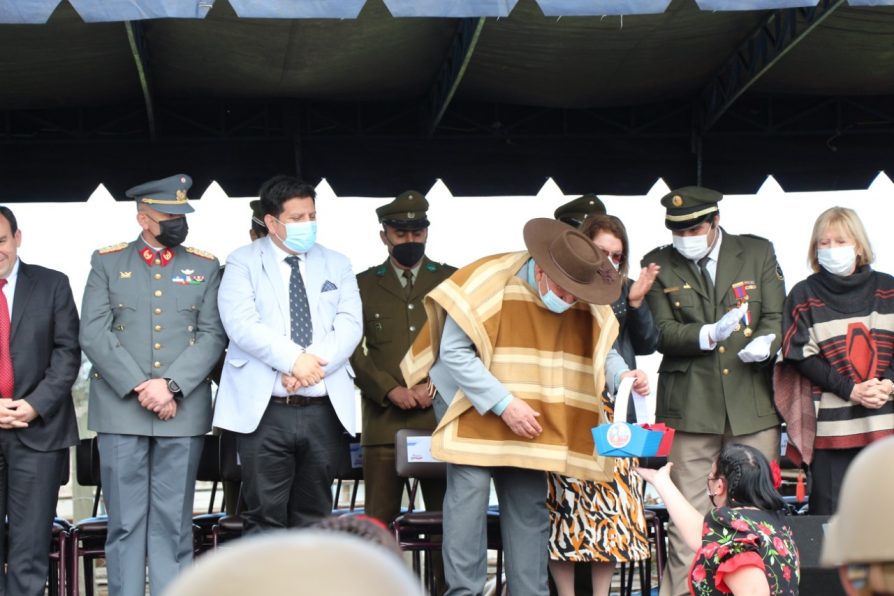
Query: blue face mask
{"points": [[300, 236], [553, 302]]}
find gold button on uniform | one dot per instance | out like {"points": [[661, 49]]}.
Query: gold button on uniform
{"points": [[157, 276], [157, 327], [726, 371], [157, 364], [157, 346], [157, 293], [158, 261], [677, 304], [721, 349], [189, 327], [157, 311], [412, 328], [410, 306]]}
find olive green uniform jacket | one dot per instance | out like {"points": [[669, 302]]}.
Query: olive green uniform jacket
{"points": [[698, 390], [391, 321]]}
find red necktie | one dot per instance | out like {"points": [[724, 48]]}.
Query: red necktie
{"points": [[7, 378]]}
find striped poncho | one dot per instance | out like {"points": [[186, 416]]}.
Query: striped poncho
{"points": [[839, 331], [553, 362]]}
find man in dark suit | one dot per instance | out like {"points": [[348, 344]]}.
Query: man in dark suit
{"points": [[392, 296], [717, 303], [39, 361]]}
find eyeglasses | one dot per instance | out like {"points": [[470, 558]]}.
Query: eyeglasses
{"points": [[616, 257]]}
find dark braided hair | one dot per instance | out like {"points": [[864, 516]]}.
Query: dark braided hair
{"points": [[748, 478]]}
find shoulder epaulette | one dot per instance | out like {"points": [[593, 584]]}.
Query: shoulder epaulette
{"points": [[200, 253], [106, 250], [755, 236]]}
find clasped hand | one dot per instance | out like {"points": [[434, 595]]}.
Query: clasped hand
{"points": [[872, 393], [306, 372], [411, 398], [15, 413], [155, 396]]}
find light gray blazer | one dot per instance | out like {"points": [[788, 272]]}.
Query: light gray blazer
{"points": [[256, 319]]}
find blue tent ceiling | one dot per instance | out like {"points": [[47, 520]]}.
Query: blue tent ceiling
{"points": [[96, 11], [493, 96]]}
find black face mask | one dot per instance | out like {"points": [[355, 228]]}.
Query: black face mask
{"points": [[408, 253], [173, 232]]}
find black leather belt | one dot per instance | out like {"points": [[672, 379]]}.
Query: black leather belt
{"points": [[300, 400]]}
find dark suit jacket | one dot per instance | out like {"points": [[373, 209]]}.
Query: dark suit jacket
{"points": [[698, 390], [45, 355]]}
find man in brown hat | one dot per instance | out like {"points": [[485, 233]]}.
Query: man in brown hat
{"points": [[392, 318], [717, 303], [519, 343]]}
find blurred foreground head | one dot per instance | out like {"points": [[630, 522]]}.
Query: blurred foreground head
{"points": [[299, 563]]}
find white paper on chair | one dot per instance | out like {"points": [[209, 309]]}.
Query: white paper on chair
{"points": [[419, 449]]}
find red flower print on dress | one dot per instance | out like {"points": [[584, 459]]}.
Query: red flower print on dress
{"points": [[699, 574], [779, 545], [740, 525]]}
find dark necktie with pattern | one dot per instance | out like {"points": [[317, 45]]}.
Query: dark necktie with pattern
{"points": [[299, 310], [7, 378]]}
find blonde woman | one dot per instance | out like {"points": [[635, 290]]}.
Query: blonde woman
{"points": [[838, 332]]}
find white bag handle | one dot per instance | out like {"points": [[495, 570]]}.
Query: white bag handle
{"points": [[622, 398]]}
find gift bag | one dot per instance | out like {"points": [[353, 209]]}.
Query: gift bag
{"points": [[625, 439]]}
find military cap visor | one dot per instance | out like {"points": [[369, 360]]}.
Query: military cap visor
{"points": [[689, 207], [167, 195]]}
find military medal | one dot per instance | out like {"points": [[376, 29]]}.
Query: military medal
{"points": [[740, 291]]}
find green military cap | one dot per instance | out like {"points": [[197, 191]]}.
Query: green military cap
{"points": [[689, 206], [406, 212], [575, 212], [167, 195]]}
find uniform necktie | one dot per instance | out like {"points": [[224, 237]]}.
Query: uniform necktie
{"points": [[7, 378], [706, 275], [408, 287], [299, 310]]}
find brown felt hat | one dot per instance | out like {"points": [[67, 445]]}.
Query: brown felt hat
{"points": [[572, 261]]}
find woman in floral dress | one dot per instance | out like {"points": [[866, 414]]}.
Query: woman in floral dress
{"points": [[743, 545]]}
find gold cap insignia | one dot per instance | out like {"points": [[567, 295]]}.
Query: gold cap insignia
{"points": [[677, 201]]}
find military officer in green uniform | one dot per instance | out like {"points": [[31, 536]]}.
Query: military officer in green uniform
{"points": [[150, 327], [392, 317], [717, 303], [574, 212]]}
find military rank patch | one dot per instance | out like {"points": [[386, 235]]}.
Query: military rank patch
{"points": [[106, 250], [200, 253], [431, 267], [380, 272], [779, 272]]}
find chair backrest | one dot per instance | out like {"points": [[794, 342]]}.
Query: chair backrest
{"points": [[230, 468], [412, 455], [87, 468]]}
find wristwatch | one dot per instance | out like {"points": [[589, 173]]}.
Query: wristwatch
{"points": [[173, 387]]}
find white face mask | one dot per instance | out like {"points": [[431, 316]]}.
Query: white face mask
{"points": [[839, 260], [692, 247]]}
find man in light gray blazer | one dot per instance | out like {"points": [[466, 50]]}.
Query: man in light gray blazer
{"points": [[291, 309], [151, 330]]}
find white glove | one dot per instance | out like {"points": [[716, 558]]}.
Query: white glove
{"points": [[722, 329], [758, 349]]}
